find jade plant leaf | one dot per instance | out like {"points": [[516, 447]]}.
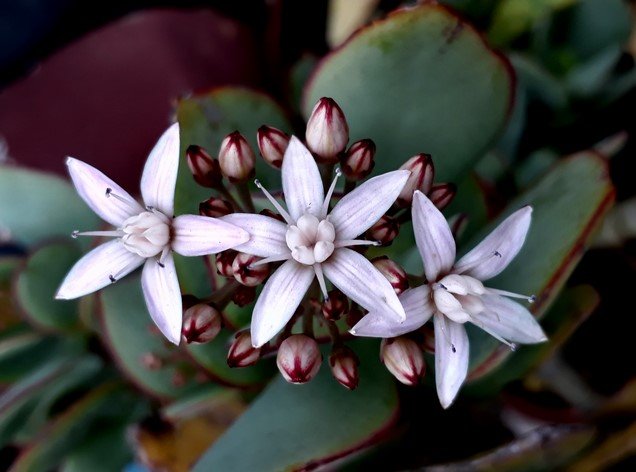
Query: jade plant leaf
{"points": [[291, 427], [103, 451], [131, 335], [569, 203], [35, 205], [35, 286], [421, 80], [24, 351]]}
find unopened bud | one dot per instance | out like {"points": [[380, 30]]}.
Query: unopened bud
{"points": [[151, 361], [421, 178], [298, 358], [327, 130], [336, 305], [344, 366], [236, 158], [272, 214], [215, 207], [272, 144], [201, 324], [244, 295], [393, 272], [242, 353], [404, 359], [385, 230], [205, 170], [358, 162], [442, 194], [224, 262], [245, 273]]}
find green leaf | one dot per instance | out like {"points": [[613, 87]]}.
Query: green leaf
{"points": [[106, 451], [130, 334], [421, 80], [36, 205], [290, 427], [23, 352], [37, 282], [569, 203]]}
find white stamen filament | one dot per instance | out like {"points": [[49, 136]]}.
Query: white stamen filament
{"points": [[131, 204], [461, 269], [512, 346], [355, 242], [528, 298], [321, 280], [111, 234], [267, 260], [325, 204], [273, 201]]}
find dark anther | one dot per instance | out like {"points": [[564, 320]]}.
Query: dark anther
{"points": [[443, 286], [112, 279], [150, 208], [497, 253], [75, 234], [161, 264], [109, 191], [453, 348]]}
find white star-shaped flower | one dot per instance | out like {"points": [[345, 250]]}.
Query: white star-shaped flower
{"points": [[144, 234], [455, 294], [314, 243]]}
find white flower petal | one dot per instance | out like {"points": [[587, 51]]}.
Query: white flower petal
{"points": [[509, 320], [160, 172], [199, 235], [267, 235], [451, 358], [363, 207], [163, 296], [94, 270], [433, 237], [92, 185], [302, 184], [279, 299], [418, 308], [358, 279], [495, 252]]}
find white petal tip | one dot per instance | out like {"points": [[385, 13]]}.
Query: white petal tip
{"points": [[352, 331], [446, 404]]}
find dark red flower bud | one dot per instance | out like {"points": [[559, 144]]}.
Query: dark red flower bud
{"points": [[242, 353], [344, 366], [205, 170], [215, 207], [335, 306], [421, 178], [358, 162], [299, 358], [404, 359], [244, 295], [236, 158], [385, 230], [442, 194], [246, 272], [272, 144], [395, 274], [201, 324], [224, 262], [327, 130]]}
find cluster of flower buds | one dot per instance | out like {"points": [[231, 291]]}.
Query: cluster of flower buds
{"points": [[201, 324], [327, 132], [422, 178], [404, 359]]}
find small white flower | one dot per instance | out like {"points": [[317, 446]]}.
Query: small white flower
{"points": [[144, 234], [455, 294], [314, 243]]}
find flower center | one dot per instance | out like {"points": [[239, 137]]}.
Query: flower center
{"points": [[311, 240], [146, 234], [458, 297]]}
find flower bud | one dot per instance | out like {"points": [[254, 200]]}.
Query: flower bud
{"points": [[236, 158], [205, 170], [224, 262], [242, 353], [244, 295], [421, 178], [355, 314], [404, 359], [335, 306], [385, 230], [247, 275], [215, 207], [344, 366], [358, 162], [457, 224], [392, 272], [298, 358], [272, 214], [327, 130], [442, 194], [272, 144], [201, 324]]}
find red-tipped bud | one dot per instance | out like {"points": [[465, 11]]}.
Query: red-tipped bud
{"points": [[272, 214], [385, 230], [442, 194], [205, 170], [421, 178], [272, 144], [201, 324], [344, 366], [215, 207], [151, 361], [299, 358], [242, 353], [335, 306], [224, 262], [327, 130], [246, 273], [236, 158], [404, 359], [393, 273], [244, 295], [358, 162]]}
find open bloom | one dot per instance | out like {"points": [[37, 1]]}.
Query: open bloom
{"points": [[144, 234], [314, 242], [455, 294]]}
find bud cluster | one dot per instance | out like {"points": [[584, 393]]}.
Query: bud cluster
{"points": [[422, 178]]}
